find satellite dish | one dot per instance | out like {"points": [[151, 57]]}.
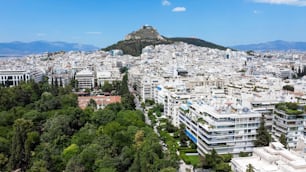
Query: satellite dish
{"points": [[245, 109]]}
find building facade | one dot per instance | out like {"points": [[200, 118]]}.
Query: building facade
{"points": [[85, 79], [292, 126], [14, 77], [226, 129], [272, 158]]}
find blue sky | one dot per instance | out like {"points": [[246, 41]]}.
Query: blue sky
{"points": [[104, 22]]}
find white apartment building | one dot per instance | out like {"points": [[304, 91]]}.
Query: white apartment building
{"points": [[172, 105], [85, 79], [14, 77], [145, 87], [108, 75], [171, 100], [37, 74], [272, 158], [292, 126], [225, 127], [63, 79], [266, 108]]}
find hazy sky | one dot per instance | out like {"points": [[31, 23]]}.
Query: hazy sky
{"points": [[104, 22]]}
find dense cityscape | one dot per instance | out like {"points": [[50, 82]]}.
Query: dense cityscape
{"points": [[247, 108], [153, 86]]}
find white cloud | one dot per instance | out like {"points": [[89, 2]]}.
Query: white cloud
{"points": [[166, 3], [93, 33], [40, 34], [284, 2], [257, 12], [179, 9]]}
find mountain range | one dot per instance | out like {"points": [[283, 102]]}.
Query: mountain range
{"points": [[135, 42], [36, 47], [278, 45]]}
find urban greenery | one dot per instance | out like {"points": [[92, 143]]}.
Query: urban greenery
{"points": [[288, 87], [42, 129], [243, 154], [250, 168], [283, 140], [290, 108], [216, 162], [263, 137]]}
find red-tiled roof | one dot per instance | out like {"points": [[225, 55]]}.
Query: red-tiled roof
{"points": [[100, 100]]}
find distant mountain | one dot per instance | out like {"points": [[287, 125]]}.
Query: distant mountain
{"points": [[35, 47], [147, 35], [273, 46]]}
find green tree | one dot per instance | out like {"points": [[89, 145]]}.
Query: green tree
{"points": [[70, 151], [47, 102], [139, 137], [211, 160], [168, 169], [243, 154], [182, 136], [57, 129], [84, 136], [3, 161], [116, 86], [20, 153], [4, 145], [110, 129], [227, 157], [124, 69], [74, 84], [223, 167], [107, 87], [92, 103], [283, 140], [288, 87], [89, 155], [75, 165], [69, 100], [143, 105], [102, 117], [250, 168], [124, 89], [39, 166], [263, 137], [128, 101], [31, 142]]}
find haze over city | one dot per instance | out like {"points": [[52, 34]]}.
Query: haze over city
{"points": [[102, 23]]}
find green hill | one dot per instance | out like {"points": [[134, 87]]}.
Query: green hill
{"points": [[147, 35], [198, 42], [134, 47]]}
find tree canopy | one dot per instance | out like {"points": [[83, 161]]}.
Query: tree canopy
{"points": [[44, 130], [263, 137]]}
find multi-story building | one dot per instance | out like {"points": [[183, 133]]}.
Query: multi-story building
{"points": [[37, 74], [172, 105], [289, 124], [109, 75], [145, 87], [266, 108], [14, 77], [61, 79], [85, 79], [227, 128]]}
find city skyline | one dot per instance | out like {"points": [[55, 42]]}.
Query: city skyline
{"points": [[103, 23]]}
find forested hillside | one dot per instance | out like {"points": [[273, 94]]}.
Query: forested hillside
{"points": [[42, 129]]}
